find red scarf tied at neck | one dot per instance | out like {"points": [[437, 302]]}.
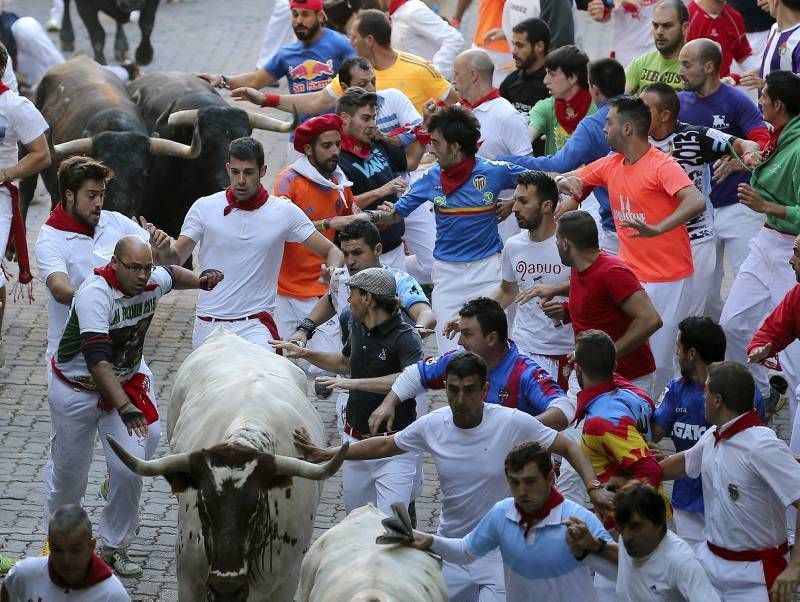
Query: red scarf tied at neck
{"points": [[528, 521], [353, 146], [251, 204], [743, 422], [570, 112], [454, 176], [98, 571], [61, 220], [18, 231], [493, 93], [108, 274], [394, 5]]}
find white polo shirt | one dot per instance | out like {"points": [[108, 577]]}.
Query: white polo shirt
{"points": [[76, 255], [529, 263], [504, 130], [670, 573], [748, 481], [470, 461], [29, 579], [246, 246]]}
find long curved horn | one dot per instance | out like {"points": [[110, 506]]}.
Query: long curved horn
{"points": [[263, 122], [182, 118], [294, 467], [170, 148], [150, 468], [80, 146]]}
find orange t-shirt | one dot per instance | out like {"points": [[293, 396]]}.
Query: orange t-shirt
{"points": [[300, 268], [490, 16], [646, 191]]}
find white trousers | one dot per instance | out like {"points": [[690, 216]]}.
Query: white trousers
{"points": [[380, 482], [482, 580], [609, 241], [734, 581], [671, 299], [278, 32], [704, 256], [290, 311], [57, 11], [593, 37], [396, 258], [420, 237], [454, 284], [250, 330], [763, 281], [75, 418], [5, 226], [689, 526], [734, 227]]}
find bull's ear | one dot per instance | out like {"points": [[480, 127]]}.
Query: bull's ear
{"points": [[180, 482]]}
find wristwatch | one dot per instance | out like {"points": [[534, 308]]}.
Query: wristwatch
{"points": [[593, 485]]}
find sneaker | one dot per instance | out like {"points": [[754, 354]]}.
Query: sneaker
{"points": [[53, 26], [5, 564], [103, 493], [776, 400], [45, 548], [119, 561]]}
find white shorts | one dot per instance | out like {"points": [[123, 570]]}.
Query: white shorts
{"points": [[482, 580], [250, 330], [290, 311]]}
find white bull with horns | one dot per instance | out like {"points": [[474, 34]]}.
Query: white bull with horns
{"points": [[244, 520]]}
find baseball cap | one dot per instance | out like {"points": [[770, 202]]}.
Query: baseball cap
{"points": [[376, 281]]}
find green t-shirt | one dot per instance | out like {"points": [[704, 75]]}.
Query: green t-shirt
{"points": [[651, 68], [542, 118]]}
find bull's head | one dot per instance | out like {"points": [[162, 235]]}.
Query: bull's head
{"points": [[232, 484], [257, 121]]}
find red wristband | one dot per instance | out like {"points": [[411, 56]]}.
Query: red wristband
{"points": [[271, 100]]}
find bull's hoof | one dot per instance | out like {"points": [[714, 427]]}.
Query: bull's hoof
{"points": [[144, 53], [120, 56], [68, 45]]}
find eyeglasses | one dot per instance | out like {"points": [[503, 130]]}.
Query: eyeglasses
{"points": [[137, 267]]}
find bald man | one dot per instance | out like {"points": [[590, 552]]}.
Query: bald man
{"points": [[96, 385], [73, 571]]}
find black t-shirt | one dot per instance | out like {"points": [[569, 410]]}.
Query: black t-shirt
{"points": [[384, 164], [755, 19], [386, 349], [523, 91]]}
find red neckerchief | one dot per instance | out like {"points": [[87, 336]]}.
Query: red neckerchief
{"points": [[773, 141], [18, 228], [251, 204], [136, 390], [107, 272], [419, 131], [528, 521], [359, 149], [394, 5], [570, 112], [587, 396], [743, 422], [454, 176], [494, 93], [98, 571], [61, 220]]}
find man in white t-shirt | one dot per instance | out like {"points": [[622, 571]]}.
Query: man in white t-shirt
{"points": [[749, 479], [20, 123], [468, 441], [241, 231], [531, 259], [72, 571]]}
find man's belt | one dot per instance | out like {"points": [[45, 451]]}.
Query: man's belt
{"points": [[263, 316], [356, 434], [772, 559]]}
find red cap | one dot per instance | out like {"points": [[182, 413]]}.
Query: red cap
{"points": [[314, 127], [315, 5]]}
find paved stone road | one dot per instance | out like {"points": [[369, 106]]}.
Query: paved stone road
{"points": [[193, 35]]}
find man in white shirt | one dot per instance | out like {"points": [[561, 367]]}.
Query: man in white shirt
{"points": [[468, 441], [20, 123], [531, 529], [749, 479], [531, 259], [654, 563], [73, 571], [241, 231]]}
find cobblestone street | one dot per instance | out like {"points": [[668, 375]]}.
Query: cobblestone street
{"points": [[192, 35]]}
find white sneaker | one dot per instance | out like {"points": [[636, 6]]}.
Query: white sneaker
{"points": [[119, 561], [53, 26]]}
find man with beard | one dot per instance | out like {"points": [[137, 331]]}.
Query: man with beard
{"points": [[308, 64], [317, 185], [530, 260], [523, 88], [242, 231], [681, 415], [670, 22]]}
